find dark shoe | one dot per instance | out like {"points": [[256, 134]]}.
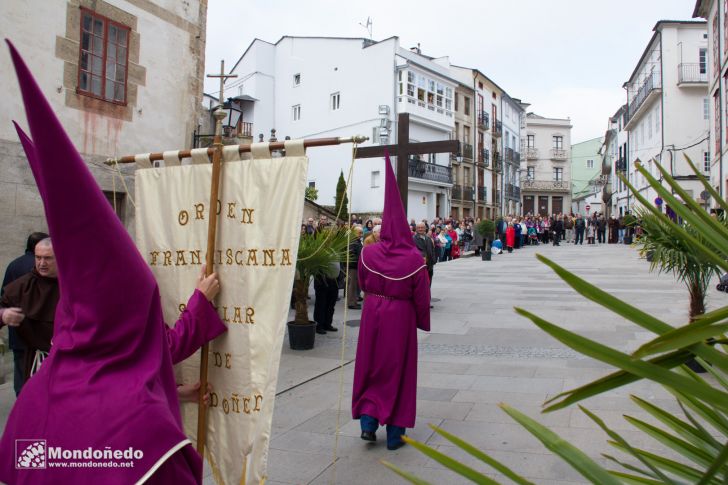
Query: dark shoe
{"points": [[368, 436], [321, 330], [394, 437], [355, 307], [359, 298], [330, 328]]}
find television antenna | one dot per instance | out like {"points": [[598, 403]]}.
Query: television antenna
{"points": [[368, 26]]}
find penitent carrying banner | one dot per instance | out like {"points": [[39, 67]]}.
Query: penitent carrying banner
{"points": [[259, 216]]}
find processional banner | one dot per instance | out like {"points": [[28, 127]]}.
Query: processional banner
{"points": [[259, 213]]}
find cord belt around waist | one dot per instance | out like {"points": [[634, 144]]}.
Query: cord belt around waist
{"points": [[384, 297]]}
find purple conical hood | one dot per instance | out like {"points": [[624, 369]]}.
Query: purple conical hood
{"points": [[108, 380], [395, 255], [396, 231]]}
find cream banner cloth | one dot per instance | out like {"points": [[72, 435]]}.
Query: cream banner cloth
{"points": [[259, 209]]}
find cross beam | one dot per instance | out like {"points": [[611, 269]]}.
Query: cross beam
{"points": [[403, 149]]}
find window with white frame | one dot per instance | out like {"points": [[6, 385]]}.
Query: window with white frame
{"points": [[558, 174], [297, 79], [312, 184], [558, 142], [590, 163], [296, 111], [375, 179], [703, 60], [530, 173], [706, 162], [335, 102], [706, 108], [426, 92], [531, 141]]}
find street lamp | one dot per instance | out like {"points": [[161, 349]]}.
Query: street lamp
{"points": [[232, 116]]}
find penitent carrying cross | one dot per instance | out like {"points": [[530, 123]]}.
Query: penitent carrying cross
{"points": [[403, 149]]}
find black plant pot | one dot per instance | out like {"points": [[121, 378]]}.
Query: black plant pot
{"points": [[486, 255], [627, 239], [301, 336]]}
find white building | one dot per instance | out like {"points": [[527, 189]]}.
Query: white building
{"points": [[512, 114], [123, 77], [714, 11], [617, 198], [546, 167], [667, 107], [321, 87]]}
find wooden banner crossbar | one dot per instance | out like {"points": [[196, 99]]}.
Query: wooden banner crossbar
{"points": [[278, 145]]}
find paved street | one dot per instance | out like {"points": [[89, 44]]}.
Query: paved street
{"points": [[478, 354]]}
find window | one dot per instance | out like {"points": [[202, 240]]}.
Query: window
{"points": [[531, 141], [297, 79], [530, 173], [296, 109], [457, 101], [104, 57], [703, 60], [312, 184], [706, 108], [375, 179], [466, 105], [335, 101], [725, 26], [558, 174], [590, 164], [558, 142], [706, 162], [649, 125], [716, 48]]}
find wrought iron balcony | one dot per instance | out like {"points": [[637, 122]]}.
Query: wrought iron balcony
{"points": [[531, 153], [467, 151], [513, 191], [484, 157], [457, 192], [497, 164], [468, 193], [508, 154], [558, 154], [516, 157], [429, 171], [545, 185], [497, 197], [692, 73], [498, 128], [651, 84], [483, 194], [483, 120]]}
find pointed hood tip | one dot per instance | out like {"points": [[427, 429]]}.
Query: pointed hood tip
{"points": [[395, 228]]}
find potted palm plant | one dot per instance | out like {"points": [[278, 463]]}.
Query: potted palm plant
{"points": [[486, 228], [316, 254]]}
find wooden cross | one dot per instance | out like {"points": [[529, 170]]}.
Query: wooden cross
{"points": [[403, 149], [223, 77]]}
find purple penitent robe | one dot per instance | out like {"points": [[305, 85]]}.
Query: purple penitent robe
{"points": [[393, 276], [385, 375]]}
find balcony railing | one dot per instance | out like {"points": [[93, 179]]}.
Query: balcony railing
{"points": [[497, 196], [692, 73], [457, 192], [467, 151], [558, 154], [483, 194], [468, 194], [483, 120], [508, 154], [513, 191], [245, 129], [429, 171], [498, 128], [651, 83], [531, 153], [484, 157], [545, 185], [621, 165], [497, 164]]}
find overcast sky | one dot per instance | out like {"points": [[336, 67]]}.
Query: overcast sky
{"points": [[568, 58]]}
